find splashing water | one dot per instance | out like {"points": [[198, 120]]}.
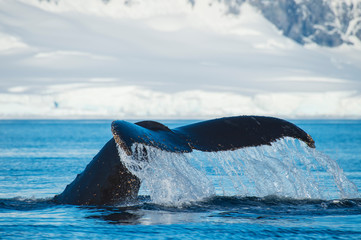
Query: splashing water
{"points": [[169, 178], [287, 168]]}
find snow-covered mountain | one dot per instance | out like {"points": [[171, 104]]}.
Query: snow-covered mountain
{"points": [[324, 22], [179, 58]]}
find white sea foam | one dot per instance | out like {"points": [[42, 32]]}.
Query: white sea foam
{"points": [[287, 168]]}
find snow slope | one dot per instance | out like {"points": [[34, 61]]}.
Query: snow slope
{"points": [[165, 59], [324, 22]]}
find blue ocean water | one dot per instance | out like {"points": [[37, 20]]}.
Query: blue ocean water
{"points": [[38, 158]]}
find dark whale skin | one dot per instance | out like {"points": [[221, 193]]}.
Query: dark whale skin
{"points": [[104, 181]]}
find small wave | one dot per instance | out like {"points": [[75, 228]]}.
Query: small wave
{"points": [[25, 204], [220, 208], [216, 208], [261, 203]]}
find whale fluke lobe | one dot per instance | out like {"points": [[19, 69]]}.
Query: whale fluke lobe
{"points": [[232, 133], [153, 134], [106, 180]]}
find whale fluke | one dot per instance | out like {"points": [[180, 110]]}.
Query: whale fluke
{"points": [[221, 134], [106, 180]]}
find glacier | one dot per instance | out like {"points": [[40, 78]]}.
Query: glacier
{"points": [[165, 59]]}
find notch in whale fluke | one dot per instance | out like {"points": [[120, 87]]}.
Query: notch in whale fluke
{"points": [[221, 134]]}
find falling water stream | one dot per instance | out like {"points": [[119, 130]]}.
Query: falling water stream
{"points": [[287, 168]]}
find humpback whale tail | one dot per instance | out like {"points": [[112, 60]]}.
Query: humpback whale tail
{"points": [[106, 180]]}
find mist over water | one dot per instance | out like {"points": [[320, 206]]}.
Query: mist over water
{"points": [[287, 168]]}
